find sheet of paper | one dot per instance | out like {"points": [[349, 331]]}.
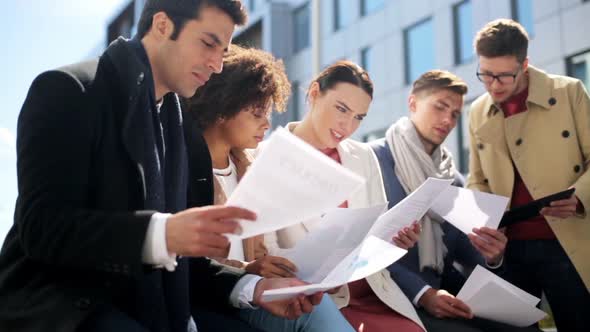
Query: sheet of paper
{"points": [[495, 302], [290, 292], [466, 209], [411, 208], [370, 257], [335, 234], [288, 182], [480, 276]]}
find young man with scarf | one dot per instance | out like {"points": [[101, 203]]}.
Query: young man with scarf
{"points": [[410, 152], [530, 137]]}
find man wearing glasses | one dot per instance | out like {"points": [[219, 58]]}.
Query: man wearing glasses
{"points": [[530, 137]]}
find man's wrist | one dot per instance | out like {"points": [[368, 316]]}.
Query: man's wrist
{"points": [[244, 293], [496, 263], [423, 300]]}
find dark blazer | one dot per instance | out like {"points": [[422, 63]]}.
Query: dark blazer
{"points": [[80, 221], [406, 272]]}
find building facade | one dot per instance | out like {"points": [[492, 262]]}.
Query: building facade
{"points": [[397, 40]]}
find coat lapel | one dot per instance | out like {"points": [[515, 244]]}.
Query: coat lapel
{"points": [[132, 73]]}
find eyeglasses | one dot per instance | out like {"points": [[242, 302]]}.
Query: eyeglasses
{"points": [[502, 78]]}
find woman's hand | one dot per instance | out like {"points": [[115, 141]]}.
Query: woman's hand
{"points": [[272, 267], [408, 236]]}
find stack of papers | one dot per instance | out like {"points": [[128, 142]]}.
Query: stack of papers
{"points": [[288, 182], [350, 244], [372, 256], [494, 298], [334, 236]]}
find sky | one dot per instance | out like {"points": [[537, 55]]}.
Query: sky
{"points": [[42, 35]]}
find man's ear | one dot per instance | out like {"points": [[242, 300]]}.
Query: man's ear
{"points": [[412, 103], [525, 64], [162, 26]]}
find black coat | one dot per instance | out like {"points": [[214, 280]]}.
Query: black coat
{"points": [[80, 223]]}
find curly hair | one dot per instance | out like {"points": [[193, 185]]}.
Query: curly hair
{"points": [[251, 79]]}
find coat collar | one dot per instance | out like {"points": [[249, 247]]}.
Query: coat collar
{"points": [[129, 65], [540, 92], [131, 74]]}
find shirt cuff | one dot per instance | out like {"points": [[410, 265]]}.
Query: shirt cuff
{"points": [[155, 250], [495, 266], [243, 293], [419, 295]]}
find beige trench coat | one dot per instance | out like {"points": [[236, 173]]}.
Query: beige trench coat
{"points": [[549, 145]]}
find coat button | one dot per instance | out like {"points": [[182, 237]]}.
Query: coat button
{"points": [[565, 134], [518, 141], [140, 78], [480, 146], [552, 101], [485, 180], [577, 168]]}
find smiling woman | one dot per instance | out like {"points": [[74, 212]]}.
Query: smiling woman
{"points": [[339, 99]]}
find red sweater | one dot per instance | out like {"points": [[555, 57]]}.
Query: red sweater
{"points": [[535, 228]]}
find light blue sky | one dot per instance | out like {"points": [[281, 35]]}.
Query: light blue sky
{"points": [[41, 35]]}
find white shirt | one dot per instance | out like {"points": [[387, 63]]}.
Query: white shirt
{"points": [[155, 250], [228, 179]]}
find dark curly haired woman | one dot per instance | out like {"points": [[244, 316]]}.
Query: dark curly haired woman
{"points": [[233, 110]]}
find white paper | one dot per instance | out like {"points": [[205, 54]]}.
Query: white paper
{"points": [[411, 208], [288, 182], [335, 234], [481, 275], [371, 256], [466, 209], [494, 302], [492, 297], [290, 292]]}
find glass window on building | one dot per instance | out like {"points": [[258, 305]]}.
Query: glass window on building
{"points": [[522, 12], [462, 132], [251, 5], [375, 134], [418, 49], [370, 6], [294, 101], [301, 21], [292, 113], [343, 13], [463, 30], [366, 58], [578, 66]]}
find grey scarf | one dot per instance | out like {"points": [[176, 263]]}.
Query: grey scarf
{"points": [[412, 167]]}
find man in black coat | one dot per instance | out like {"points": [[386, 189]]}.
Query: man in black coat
{"points": [[101, 234]]}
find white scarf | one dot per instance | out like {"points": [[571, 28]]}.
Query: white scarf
{"points": [[412, 167]]}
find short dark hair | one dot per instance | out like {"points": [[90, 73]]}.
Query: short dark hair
{"points": [[344, 72], [436, 80], [502, 37], [251, 78], [180, 11]]}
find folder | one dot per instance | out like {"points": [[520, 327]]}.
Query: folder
{"points": [[530, 210]]}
